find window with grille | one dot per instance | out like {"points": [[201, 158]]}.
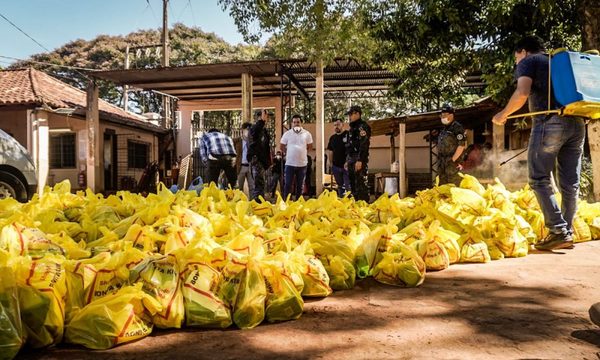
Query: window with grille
{"points": [[62, 151], [137, 154]]}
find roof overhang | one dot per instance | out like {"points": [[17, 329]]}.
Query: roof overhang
{"points": [[470, 116], [270, 78]]}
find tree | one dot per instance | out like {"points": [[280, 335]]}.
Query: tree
{"points": [[189, 45], [318, 29], [434, 44], [589, 13]]}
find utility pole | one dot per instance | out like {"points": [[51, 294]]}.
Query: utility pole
{"points": [[165, 34], [125, 87], [165, 61]]}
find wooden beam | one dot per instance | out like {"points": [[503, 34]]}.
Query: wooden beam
{"points": [[94, 148], [498, 139], [402, 183], [319, 142], [593, 133], [247, 97]]}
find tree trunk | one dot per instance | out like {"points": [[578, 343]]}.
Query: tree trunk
{"points": [[589, 13]]}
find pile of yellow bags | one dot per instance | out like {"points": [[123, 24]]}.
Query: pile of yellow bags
{"points": [[100, 271]]}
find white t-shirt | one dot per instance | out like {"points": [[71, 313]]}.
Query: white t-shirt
{"points": [[296, 147]]}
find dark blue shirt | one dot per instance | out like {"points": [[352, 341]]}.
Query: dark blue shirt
{"points": [[536, 67]]}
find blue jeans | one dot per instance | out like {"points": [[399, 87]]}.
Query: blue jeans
{"points": [[297, 173], [341, 179], [558, 139]]}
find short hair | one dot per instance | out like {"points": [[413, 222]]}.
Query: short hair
{"points": [[296, 116], [212, 130], [246, 125], [337, 119], [531, 44]]}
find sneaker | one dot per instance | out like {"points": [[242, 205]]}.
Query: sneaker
{"points": [[595, 313], [556, 241]]}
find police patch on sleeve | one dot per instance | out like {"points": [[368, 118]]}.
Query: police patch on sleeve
{"points": [[363, 133], [460, 137]]}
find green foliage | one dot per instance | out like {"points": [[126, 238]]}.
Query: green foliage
{"points": [[433, 44], [316, 29]]}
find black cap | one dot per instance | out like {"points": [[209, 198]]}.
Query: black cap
{"points": [[354, 108], [447, 108], [258, 113]]}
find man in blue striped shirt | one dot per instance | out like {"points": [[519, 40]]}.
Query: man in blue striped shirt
{"points": [[217, 151]]}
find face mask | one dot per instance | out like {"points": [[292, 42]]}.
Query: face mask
{"points": [[445, 121], [338, 130], [245, 133], [297, 129]]}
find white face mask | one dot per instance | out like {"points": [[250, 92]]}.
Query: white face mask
{"points": [[245, 133], [297, 129], [445, 121]]}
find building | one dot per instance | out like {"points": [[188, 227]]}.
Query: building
{"points": [[48, 117]]}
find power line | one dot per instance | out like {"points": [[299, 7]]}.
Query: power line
{"points": [[24, 33], [182, 11], [153, 13], [49, 64], [192, 11]]}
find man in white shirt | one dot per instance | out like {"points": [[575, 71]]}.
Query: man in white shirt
{"points": [[295, 143]]}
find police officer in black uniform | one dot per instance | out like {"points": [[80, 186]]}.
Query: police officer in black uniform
{"points": [[357, 154], [451, 145]]}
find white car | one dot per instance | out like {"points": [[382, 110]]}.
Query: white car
{"points": [[18, 177]]}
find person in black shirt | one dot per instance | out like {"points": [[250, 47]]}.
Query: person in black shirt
{"points": [[451, 145], [554, 139], [259, 152], [357, 154], [337, 154]]}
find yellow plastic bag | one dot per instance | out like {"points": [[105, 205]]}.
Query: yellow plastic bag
{"points": [[314, 276], [581, 230], [160, 278], [400, 266], [80, 274], [200, 285], [249, 309], [114, 319], [42, 292], [20, 240], [433, 253], [283, 301], [114, 274], [12, 335]]}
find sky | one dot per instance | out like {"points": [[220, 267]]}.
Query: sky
{"points": [[55, 22]]}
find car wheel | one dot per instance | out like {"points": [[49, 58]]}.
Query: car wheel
{"points": [[12, 187]]}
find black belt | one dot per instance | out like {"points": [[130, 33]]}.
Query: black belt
{"points": [[222, 155], [244, 164]]}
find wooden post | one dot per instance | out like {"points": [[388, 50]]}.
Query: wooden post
{"points": [[593, 133], [392, 149], [402, 183], [167, 120], [498, 139], [94, 149], [247, 97], [319, 142], [41, 140]]}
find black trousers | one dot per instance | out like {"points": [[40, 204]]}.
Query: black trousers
{"points": [[447, 171], [225, 163], [359, 182]]}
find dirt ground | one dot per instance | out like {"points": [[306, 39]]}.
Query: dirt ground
{"points": [[534, 307]]}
